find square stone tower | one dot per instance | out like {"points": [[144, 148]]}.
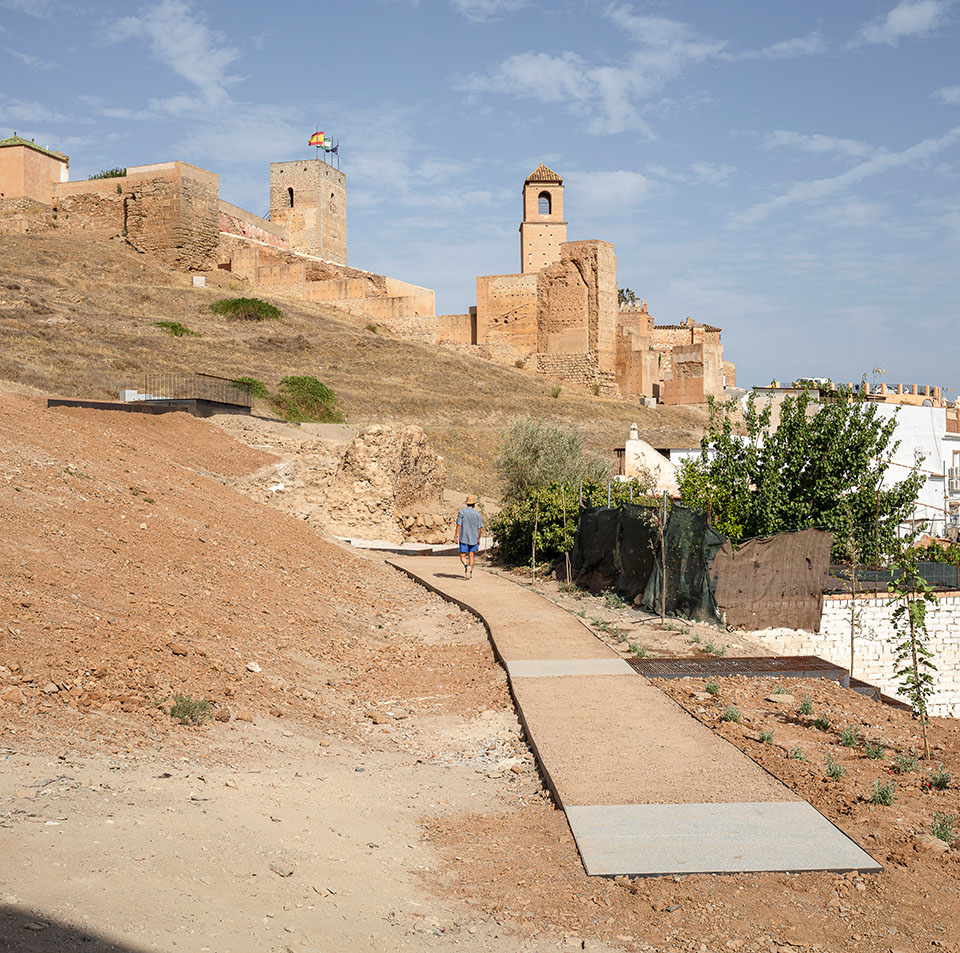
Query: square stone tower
{"points": [[309, 196], [543, 229]]}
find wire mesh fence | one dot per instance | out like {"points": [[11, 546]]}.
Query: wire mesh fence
{"points": [[873, 579], [181, 385]]}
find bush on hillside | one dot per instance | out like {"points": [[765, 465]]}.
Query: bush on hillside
{"points": [[534, 454], [255, 388], [177, 329], [544, 507], [246, 309], [116, 173], [304, 399]]}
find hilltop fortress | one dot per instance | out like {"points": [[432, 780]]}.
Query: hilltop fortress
{"points": [[558, 316]]}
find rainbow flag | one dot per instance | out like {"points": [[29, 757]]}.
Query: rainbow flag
{"points": [[316, 139]]}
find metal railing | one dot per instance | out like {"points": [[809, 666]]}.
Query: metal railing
{"points": [[180, 385]]}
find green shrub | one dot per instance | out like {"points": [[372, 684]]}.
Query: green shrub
{"points": [[731, 714], [246, 309], [535, 455], [712, 687], [512, 527], [834, 770], [177, 329], [766, 737], [905, 763], [849, 738], [940, 779], [613, 601], [555, 391], [305, 400], [796, 753], [874, 751], [822, 723], [806, 705], [253, 387], [190, 711], [116, 173], [883, 793], [943, 826]]}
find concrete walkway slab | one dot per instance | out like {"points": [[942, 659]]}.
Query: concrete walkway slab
{"points": [[551, 668], [643, 839], [615, 750]]}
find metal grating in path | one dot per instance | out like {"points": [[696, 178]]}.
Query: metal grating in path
{"points": [[795, 666]]}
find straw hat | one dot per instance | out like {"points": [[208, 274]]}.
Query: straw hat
{"points": [[471, 499]]}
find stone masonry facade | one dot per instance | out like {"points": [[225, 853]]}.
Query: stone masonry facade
{"points": [[560, 314], [873, 652]]}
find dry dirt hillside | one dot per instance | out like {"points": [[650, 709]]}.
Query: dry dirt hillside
{"points": [[76, 320], [362, 784]]}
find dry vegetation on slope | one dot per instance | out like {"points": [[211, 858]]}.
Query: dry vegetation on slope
{"points": [[76, 320]]}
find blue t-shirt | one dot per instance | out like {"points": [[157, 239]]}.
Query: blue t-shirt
{"points": [[469, 520]]}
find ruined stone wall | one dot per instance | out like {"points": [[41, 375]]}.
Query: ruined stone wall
{"points": [[637, 366], [309, 198], [234, 220], [456, 329], [670, 335], [507, 316], [23, 216], [729, 370], [577, 313], [169, 210]]}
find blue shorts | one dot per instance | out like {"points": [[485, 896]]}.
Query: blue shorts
{"points": [[467, 548]]}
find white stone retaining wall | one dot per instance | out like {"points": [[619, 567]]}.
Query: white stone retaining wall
{"points": [[873, 653]]}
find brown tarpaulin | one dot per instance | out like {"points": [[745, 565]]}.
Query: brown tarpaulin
{"points": [[776, 581]]}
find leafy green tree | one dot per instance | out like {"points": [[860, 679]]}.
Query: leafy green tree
{"points": [[913, 665], [822, 467], [543, 520], [626, 296], [534, 454]]}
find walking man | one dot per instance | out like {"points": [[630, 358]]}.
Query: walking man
{"points": [[469, 522]]}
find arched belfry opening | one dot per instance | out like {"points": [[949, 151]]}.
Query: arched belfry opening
{"points": [[544, 203], [290, 195]]}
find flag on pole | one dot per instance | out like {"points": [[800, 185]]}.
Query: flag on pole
{"points": [[316, 139], [328, 147], [335, 150]]}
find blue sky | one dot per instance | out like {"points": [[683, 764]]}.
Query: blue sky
{"points": [[787, 171]]}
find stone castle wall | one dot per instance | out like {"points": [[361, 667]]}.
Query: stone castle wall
{"points": [[507, 315], [169, 210], [234, 220], [873, 654]]}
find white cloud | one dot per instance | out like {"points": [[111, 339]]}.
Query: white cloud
{"points": [[711, 173], [608, 96], [909, 18], [35, 8], [181, 40], [605, 192], [482, 11], [877, 164], [949, 95], [19, 110], [812, 44], [815, 143], [31, 61], [853, 213]]}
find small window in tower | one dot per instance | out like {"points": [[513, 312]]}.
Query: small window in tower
{"points": [[544, 203], [290, 194]]}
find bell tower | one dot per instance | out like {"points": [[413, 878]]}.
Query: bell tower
{"points": [[543, 229]]}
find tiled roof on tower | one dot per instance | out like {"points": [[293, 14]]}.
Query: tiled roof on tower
{"points": [[16, 140], [542, 174]]}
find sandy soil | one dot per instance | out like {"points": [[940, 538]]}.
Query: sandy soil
{"points": [[132, 573]]}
